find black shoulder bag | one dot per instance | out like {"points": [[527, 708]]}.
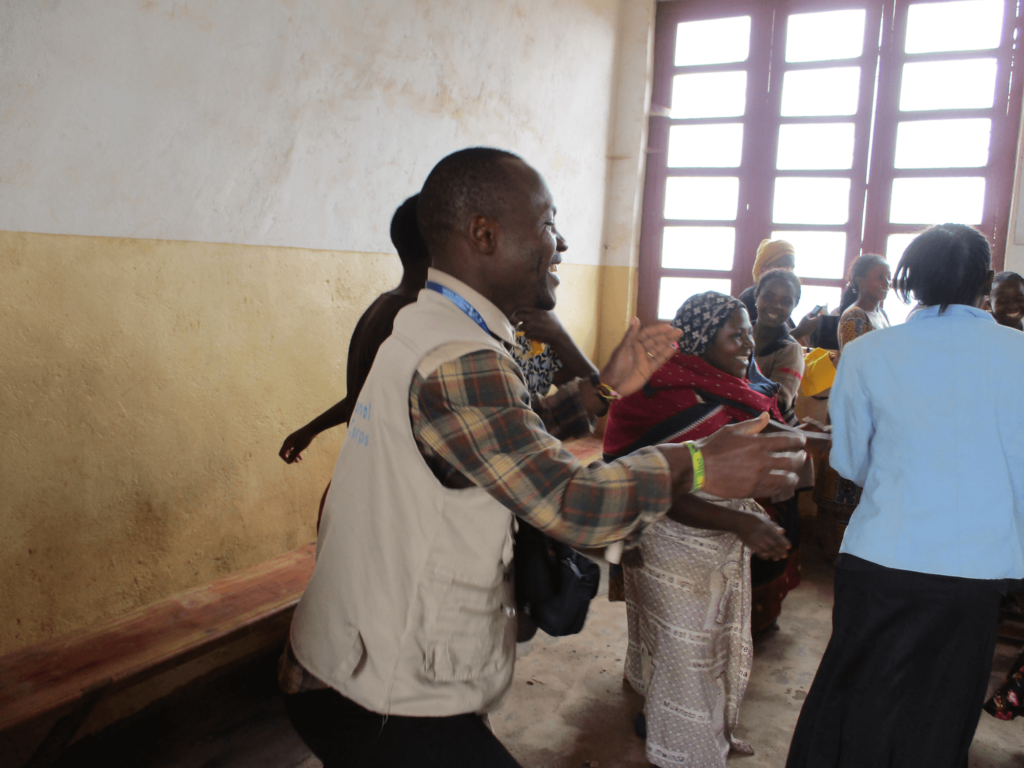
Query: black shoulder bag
{"points": [[554, 584]]}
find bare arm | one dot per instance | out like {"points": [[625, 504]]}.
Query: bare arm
{"points": [[544, 326], [741, 464], [788, 373], [575, 364], [299, 440], [808, 325], [765, 538]]}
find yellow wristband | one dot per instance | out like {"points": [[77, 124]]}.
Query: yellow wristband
{"points": [[602, 390], [697, 457]]}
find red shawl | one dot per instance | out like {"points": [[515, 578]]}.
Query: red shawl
{"points": [[686, 399]]}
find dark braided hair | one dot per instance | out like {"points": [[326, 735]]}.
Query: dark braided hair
{"points": [[785, 275], [860, 268], [946, 264], [1002, 277]]}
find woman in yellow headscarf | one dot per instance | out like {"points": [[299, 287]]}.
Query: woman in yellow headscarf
{"points": [[771, 254], [777, 254]]}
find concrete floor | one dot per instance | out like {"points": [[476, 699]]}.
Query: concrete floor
{"points": [[568, 707]]}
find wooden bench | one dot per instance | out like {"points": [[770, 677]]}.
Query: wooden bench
{"points": [[66, 677]]}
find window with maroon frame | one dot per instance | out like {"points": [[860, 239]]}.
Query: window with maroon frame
{"points": [[843, 127]]}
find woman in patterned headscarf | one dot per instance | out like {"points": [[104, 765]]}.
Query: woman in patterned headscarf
{"points": [[712, 381], [688, 583]]}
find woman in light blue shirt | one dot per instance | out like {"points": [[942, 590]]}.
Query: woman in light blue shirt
{"points": [[928, 418]]}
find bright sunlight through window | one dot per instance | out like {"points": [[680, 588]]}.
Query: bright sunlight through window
{"points": [[943, 143], [698, 248], [716, 41], [964, 26], [711, 94], [705, 146], [832, 91], [811, 201], [675, 290], [937, 200], [806, 146], [965, 84], [701, 197], [818, 254], [825, 36]]}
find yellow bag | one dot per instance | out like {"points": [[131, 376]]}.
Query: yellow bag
{"points": [[819, 372]]}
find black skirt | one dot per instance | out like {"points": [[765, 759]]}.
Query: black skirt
{"points": [[904, 676]]}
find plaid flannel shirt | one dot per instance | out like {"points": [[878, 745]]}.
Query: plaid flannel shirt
{"points": [[476, 423]]}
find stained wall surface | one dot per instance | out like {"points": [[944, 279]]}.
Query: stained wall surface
{"points": [[295, 123], [627, 158], [194, 204]]}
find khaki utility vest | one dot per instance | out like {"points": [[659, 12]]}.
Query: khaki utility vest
{"points": [[410, 610]]}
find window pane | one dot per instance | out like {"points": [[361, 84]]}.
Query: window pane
{"points": [[673, 291], [824, 36], [894, 307], [965, 26], [705, 146], [821, 91], [948, 85], [818, 254], [815, 147], [937, 200], [713, 94], [895, 245], [813, 295], [811, 201], [696, 197], [715, 41], [943, 143], [698, 248]]}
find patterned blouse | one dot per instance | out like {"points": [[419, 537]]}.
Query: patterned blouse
{"points": [[855, 322], [538, 362]]}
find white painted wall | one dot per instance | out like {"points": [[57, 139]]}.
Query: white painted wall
{"points": [[627, 156], [292, 122]]}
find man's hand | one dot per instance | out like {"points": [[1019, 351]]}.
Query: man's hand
{"points": [[765, 538], [807, 326], [741, 464], [762, 536], [295, 444], [641, 352], [818, 436], [541, 325]]}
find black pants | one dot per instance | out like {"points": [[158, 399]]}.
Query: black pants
{"points": [[904, 676], [341, 733]]}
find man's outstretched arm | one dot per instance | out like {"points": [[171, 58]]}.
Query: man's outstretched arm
{"points": [[472, 421]]}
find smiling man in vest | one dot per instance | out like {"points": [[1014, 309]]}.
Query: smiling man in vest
{"points": [[406, 633]]}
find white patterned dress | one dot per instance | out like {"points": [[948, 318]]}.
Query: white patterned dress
{"points": [[690, 651]]}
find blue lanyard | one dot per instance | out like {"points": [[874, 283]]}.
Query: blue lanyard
{"points": [[461, 303]]}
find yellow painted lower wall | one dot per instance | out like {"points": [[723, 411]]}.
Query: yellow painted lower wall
{"points": [[617, 299], [146, 387]]}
